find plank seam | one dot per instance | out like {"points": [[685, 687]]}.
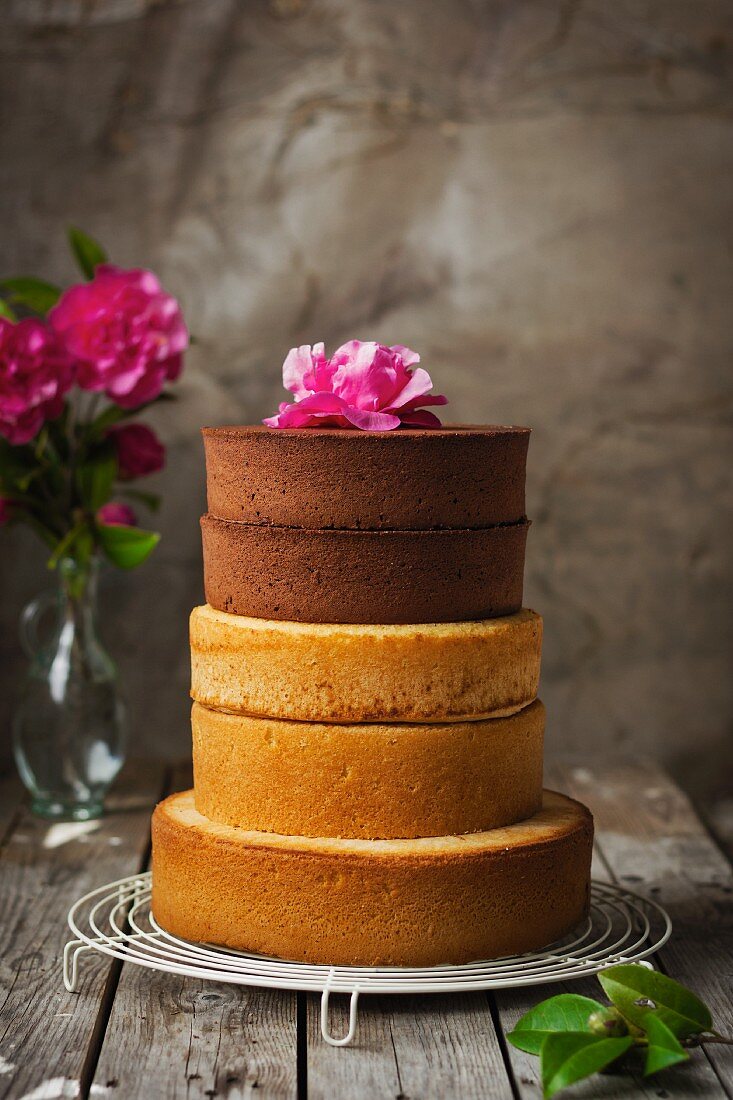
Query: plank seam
{"points": [[99, 1031], [503, 1046], [301, 1044]]}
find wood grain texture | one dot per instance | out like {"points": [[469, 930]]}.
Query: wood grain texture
{"points": [[170, 1037], [424, 1048], [654, 843], [46, 1034], [694, 1079], [152, 1036]]}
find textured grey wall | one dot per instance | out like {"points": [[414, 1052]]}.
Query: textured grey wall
{"points": [[535, 195]]}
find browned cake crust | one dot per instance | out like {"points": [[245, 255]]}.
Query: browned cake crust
{"points": [[363, 576], [322, 672], [370, 781], [373, 902], [409, 479]]}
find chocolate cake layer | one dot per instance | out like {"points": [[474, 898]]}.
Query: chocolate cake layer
{"points": [[335, 576], [407, 479]]}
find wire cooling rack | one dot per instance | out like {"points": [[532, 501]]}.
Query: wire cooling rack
{"points": [[116, 920]]}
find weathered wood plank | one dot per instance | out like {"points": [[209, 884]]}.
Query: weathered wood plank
{"points": [[45, 1032], [654, 842], [695, 1079], [170, 1036], [424, 1048]]}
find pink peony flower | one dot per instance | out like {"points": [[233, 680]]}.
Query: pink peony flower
{"points": [[362, 385], [139, 451], [116, 515], [127, 334], [35, 373]]}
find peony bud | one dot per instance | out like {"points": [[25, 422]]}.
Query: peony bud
{"points": [[116, 515], [139, 451]]}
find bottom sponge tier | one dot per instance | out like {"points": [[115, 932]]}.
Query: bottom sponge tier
{"points": [[421, 902]]}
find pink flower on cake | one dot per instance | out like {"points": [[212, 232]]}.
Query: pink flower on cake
{"points": [[116, 515], [363, 385], [126, 333], [139, 451], [35, 373]]}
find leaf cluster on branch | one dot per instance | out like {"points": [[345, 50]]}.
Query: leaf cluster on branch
{"points": [[650, 1024]]}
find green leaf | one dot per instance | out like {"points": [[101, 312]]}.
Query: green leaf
{"points": [[87, 252], [96, 476], [126, 547], [6, 312], [664, 1048], [636, 990], [33, 293], [566, 1012], [571, 1056]]}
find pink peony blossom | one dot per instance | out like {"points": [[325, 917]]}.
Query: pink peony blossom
{"points": [[35, 373], [139, 451], [362, 385], [116, 515], [127, 334]]}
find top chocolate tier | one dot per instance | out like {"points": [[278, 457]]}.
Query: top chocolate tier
{"points": [[410, 479]]}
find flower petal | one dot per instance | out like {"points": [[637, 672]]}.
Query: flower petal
{"points": [[420, 418], [368, 379], [298, 363], [408, 356], [364, 385], [309, 411], [371, 421], [417, 385]]}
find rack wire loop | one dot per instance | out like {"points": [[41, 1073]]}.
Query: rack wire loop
{"points": [[353, 1009], [117, 921]]}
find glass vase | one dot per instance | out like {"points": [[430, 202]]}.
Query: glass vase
{"points": [[69, 727]]}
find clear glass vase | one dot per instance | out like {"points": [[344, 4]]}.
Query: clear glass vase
{"points": [[69, 727]]}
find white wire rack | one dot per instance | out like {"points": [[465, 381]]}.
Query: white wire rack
{"points": [[116, 920]]}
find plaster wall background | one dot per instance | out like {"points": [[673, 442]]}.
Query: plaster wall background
{"points": [[535, 195]]}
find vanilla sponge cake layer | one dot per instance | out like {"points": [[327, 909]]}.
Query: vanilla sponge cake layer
{"points": [[323, 672], [368, 780], [420, 902]]}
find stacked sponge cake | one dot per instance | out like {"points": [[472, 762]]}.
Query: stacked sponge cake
{"points": [[366, 733]]}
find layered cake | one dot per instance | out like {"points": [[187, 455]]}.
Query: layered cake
{"points": [[367, 737]]}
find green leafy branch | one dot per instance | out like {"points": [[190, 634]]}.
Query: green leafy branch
{"points": [[57, 483], [651, 1018]]}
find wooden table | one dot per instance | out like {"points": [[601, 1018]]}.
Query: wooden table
{"points": [[133, 1033]]}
